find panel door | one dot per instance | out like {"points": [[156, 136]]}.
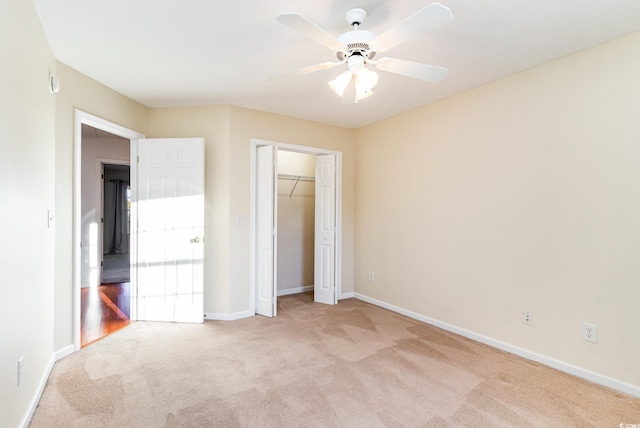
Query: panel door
{"points": [[266, 233], [325, 234], [170, 240]]}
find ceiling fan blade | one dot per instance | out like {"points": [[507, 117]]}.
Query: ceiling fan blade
{"points": [[430, 73], [304, 70], [311, 30], [431, 17]]}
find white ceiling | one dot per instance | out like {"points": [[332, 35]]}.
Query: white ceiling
{"points": [[165, 53]]}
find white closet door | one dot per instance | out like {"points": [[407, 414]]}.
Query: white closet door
{"points": [[325, 235], [266, 233]]}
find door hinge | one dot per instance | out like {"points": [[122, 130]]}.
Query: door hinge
{"points": [[138, 158], [101, 264], [102, 176], [102, 220]]}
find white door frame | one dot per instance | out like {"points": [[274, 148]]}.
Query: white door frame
{"points": [[100, 163], [253, 213], [80, 118]]}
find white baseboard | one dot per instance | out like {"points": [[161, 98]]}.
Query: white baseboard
{"points": [[64, 352], [26, 420], [57, 356], [580, 372], [211, 316], [296, 290], [310, 288]]}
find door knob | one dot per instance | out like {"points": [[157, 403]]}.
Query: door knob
{"points": [[194, 240]]}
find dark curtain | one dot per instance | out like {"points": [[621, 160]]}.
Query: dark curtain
{"points": [[116, 233]]}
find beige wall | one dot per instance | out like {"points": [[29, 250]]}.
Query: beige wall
{"points": [[27, 132], [78, 92], [521, 194], [296, 228], [293, 163]]}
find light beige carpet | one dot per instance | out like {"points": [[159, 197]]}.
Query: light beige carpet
{"points": [[350, 365]]}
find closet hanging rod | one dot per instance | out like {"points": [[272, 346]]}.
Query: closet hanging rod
{"points": [[296, 177]]}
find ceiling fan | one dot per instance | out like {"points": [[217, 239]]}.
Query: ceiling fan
{"points": [[357, 48]]}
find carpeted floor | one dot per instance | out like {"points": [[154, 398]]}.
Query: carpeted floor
{"points": [[350, 365], [115, 268]]}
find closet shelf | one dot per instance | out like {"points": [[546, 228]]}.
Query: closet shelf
{"points": [[297, 179]]}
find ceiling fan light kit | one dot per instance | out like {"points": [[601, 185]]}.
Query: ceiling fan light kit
{"points": [[340, 83], [365, 79], [357, 48]]}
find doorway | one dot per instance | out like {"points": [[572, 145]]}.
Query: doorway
{"points": [[327, 235], [295, 222], [116, 219], [167, 174], [105, 265], [91, 299]]}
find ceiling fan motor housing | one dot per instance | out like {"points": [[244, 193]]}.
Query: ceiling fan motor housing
{"points": [[356, 42]]}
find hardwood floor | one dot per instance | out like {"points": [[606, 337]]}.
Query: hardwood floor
{"points": [[104, 309]]}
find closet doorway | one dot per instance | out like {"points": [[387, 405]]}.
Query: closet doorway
{"points": [[296, 223], [295, 200]]}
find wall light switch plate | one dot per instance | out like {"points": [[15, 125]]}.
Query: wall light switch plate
{"points": [[50, 218], [20, 370]]}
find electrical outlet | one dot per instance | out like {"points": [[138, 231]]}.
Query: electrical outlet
{"points": [[527, 317], [372, 276], [589, 332], [20, 372]]}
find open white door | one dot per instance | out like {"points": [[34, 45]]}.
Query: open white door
{"points": [[324, 290], [266, 234], [170, 234]]}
